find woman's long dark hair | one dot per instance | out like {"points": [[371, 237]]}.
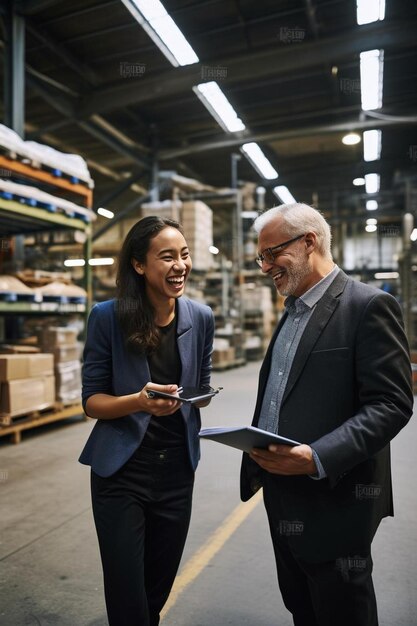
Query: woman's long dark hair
{"points": [[135, 313]]}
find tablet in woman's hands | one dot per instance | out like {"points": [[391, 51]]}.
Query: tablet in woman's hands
{"points": [[191, 395]]}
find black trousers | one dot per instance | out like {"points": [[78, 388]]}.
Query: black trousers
{"points": [[142, 515], [335, 593]]}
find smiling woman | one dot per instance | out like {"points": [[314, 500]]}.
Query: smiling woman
{"points": [[156, 250], [143, 449]]}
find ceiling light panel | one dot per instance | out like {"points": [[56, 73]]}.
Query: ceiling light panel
{"points": [[372, 145], [282, 192], [372, 183], [219, 106], [160, 26], [259, 161], [372, 72], [368, 11]]}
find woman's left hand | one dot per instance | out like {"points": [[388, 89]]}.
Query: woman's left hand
{"points": [[158, 406]]}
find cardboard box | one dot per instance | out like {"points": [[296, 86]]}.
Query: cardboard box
{"points": [[67, 352], [223, 357], [21, 396], [68, 381], [18, 366], [57, 336]]}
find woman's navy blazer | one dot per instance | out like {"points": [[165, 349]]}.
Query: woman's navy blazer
{"points": [[111, 369]]}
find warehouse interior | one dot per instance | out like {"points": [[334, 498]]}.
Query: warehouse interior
{"points": [[261, 103]]}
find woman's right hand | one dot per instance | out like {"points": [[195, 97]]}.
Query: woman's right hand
{"points": [[158, 406]]}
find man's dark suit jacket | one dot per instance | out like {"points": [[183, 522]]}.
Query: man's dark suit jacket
{"points": [[110, 368], [348, 394]]}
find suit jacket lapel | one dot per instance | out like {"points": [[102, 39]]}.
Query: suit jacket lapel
{"points": [[184, 338], [318, 321]]}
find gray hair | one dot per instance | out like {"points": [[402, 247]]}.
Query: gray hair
{"points": [[299, 218]]}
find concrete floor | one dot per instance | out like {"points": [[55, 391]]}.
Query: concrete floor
{"points": [[50, 573]]}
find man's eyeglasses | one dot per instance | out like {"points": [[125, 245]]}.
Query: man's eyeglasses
{"points": [[268, 255]]}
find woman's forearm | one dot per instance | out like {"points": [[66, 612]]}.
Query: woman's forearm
{"points": [[105, 406]]}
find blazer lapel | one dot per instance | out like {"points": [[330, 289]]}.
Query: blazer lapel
{"points": [[184, 339], [318, 321]]}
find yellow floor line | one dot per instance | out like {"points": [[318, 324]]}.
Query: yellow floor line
{"points": [[209, 549]]}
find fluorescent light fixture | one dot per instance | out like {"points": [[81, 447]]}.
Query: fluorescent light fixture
{"points": [[214, 250], [372, 182], [386, 275], [358, 182], [161, 28], [74, 262], [368, 11], [372, 221], [351, 139], [372, 70], [371, 205], [105, 213], [103, 261], [372, 145], [282, 192], [413, 235], [259, 161], [219, 106], [249, 215], [370, 228]]}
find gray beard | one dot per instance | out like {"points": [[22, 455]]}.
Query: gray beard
{"points": [[295, 275]]}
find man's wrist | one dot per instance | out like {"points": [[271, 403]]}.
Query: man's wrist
{"points": [[319, 471]]}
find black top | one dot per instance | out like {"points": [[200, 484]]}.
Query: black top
{"points": [[166, 431]]}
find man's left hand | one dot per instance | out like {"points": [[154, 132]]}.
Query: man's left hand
{"points": [[285, 460]]}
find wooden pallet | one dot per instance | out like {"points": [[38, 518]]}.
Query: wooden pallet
{"points": [[227, 365], [38, 418], [7, 419]]}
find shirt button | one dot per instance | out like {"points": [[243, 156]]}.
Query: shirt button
{"points": [[280, 373], [162, 455]]}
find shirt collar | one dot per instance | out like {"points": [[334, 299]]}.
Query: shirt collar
{"points": [[310, 298]]}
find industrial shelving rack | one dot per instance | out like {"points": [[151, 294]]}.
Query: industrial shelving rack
{"points": [[21, 219]]}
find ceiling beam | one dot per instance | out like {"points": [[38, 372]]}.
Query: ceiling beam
{"points": [[45, 129], [58, 49], [273, 61], [99, 133], [29, 7], [58, 101], [117, 190], [320, 129], [311, 16], [68, 108]]}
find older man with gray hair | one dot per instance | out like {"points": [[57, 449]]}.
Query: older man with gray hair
{"points": [[337, 378]]}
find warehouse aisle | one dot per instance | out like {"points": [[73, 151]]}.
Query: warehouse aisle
{"points": [[49, 565]]}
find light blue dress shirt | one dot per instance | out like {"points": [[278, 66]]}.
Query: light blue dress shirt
{"points": [[299, 310]]}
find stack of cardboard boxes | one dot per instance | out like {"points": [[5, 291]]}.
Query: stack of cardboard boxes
{"points": [[197, 221], [27, 383], [61, 341], [260, 319], [223, 355]]}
